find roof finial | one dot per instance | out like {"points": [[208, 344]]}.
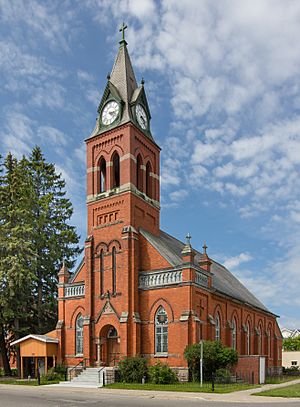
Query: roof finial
{"points": [[64, 263], [108, 76], [122, 29], [188, 239], [204, 247], [142, 81]]}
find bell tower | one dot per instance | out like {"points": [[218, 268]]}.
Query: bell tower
{"points": [[122, 156], [122, 197]]}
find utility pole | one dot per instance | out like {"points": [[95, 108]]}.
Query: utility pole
{"points": [[201, 363]]}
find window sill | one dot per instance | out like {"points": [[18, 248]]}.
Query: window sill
{"points": [[79, 355], [161, 355]]}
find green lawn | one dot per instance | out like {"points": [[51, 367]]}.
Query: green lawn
{"points": [[26, 382], [189, 387], [288, 391], [281, 379]]}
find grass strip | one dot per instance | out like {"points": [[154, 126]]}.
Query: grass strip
{"points": [[180, 387], [26, 382], [287, 391]]}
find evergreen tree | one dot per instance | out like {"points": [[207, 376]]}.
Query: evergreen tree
{"points": [[54, 238], [17, 255]]}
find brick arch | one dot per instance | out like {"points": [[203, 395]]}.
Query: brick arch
{"points": [[104, 320], [218, 309], [78, 310], [138, 151], [113, 243], [100, 246], [164, 303], [249, 320], [115, 149], [235, 315], [102, 153]]}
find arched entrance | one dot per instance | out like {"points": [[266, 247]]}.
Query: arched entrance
{"points": [[109, 346]]}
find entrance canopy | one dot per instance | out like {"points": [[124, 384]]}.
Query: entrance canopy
{"points": [[37, 351]]}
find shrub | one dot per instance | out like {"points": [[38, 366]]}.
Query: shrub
{"points": [[61, 369], [223, 376], [215, 356], [162, 374], [2, 373], [14, 372], [52, 375], [132, 369]]}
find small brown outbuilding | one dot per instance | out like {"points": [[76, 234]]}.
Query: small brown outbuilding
{"points": [[37, 352]]}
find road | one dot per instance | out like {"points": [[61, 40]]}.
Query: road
{"points": [[22, 396]]}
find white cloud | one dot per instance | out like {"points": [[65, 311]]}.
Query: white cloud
{"points": [[234, 262], [178, 195]]}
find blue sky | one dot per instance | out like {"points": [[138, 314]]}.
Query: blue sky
{"points": [[222, 80]]}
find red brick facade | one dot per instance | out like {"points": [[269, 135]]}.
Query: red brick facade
{"points": [[124, 279]]}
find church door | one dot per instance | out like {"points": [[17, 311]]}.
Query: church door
{"points": [[113, 347]]}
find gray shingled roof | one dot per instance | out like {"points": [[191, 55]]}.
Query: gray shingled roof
{"points": [[223, 280], [123, 78]]}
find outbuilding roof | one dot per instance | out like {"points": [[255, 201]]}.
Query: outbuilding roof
{"points": [[41, 338]]}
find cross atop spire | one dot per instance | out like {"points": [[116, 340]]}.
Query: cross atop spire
{"points": [[122, 30], [188, 238], [204, 248]]}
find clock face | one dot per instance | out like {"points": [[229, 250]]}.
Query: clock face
{"points": [[110, 112], [141, 116]]}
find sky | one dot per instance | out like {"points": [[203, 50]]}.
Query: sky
{"points": [[223, 85]]}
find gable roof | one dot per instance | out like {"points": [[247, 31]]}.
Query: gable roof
{"points": [[41, 338], [223, 280]]}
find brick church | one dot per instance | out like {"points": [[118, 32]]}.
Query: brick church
{"points": [[138, 290]]}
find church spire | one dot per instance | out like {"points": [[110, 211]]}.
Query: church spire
{"points": [[122, 76], [123, 100]]}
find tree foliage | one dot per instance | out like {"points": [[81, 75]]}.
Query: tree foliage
{"points": [[290, 344], [35, 235], [215, 356]]}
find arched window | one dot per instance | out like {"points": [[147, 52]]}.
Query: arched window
{"points": [[148, 180], [218, 328], [79, 335], [101, 272], [248, 339], [139, 173], [259, 340], [102, 180], [233, 334], [116, 170], [114, 271], [161, 331], [112, 332], [269, 342]]}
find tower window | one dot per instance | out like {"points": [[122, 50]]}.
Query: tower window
{"points": [[161, 331], [148, 180], [102, 181], [116, 170], [114, 271], [79, 335], [101, 272], [139, 174]]}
